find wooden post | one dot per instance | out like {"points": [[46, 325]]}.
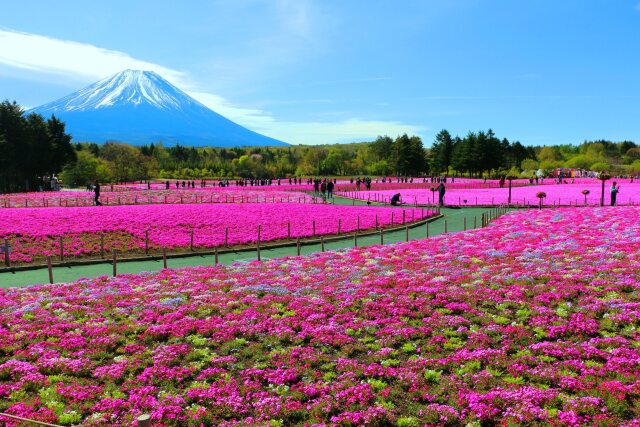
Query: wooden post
{"points": [[226, 237], [61, 249], [427, 230], [339, 223], [115, 264], [314, 228], [258, 243], [358, 223], [289, 231], [445, 225], [102, 245], [475, 218], [164, 258], [146, 242], [298, 245], [382, 236], [403, 215], [321, 243], [406, 232], [465, 223], [50, 269], [7, 260], [191, 241], [144, 421], [376, 221], [392, 218], [355, 239], [215, 255]]}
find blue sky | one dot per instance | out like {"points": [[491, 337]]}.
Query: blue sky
{"points": [[328, 71]]}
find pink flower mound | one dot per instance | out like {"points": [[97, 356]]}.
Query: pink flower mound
{"points": [[133, 196], [558, 194], [34, 232], [530, 321]]}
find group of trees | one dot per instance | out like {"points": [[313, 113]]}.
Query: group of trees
{"points": [[32, 149], [477, 153], [618, 158]]}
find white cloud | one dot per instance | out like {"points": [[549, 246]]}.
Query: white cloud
{"points": [[85, 63]]}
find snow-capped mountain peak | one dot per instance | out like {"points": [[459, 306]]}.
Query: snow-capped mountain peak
{"points": [[132, 87], [140, 107]]}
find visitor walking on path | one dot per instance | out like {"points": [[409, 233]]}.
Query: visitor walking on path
{"points": [[614, 193], [330, 189], [441, 191], [96, 191]]}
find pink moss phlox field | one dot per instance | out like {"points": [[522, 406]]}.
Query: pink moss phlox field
{"points": [[532, 320], [128, 196], [563, 194], [34, 232]]}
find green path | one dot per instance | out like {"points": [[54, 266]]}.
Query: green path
{"points": [[453, 217]]}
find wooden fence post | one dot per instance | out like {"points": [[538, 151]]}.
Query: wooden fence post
{"points": [[144, 420], [191, 241], [445, 226], [314, 228], [258, 243], [61, 249], [289, 230], [226, 237], [146, 242], [321, 243], [406, 232], [465, 223], [355, 239], [164, 258], [382, 236], [7, 260], [115, 264], [298, 245], [339, 224], [102, 245], [50, 269], [215, 255], [427, 230]]}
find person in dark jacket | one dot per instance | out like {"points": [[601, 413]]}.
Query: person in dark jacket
{"points": [[441, 191], [395, 200], [96, 192]]}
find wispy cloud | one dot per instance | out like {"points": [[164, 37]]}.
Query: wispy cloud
{"points": [[85, 63]]}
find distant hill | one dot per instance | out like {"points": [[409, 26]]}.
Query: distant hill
{"points": [[140, 107]]}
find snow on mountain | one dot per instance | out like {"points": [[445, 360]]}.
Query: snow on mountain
{"points": [[140, 107]]}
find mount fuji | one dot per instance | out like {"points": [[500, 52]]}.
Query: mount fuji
{"points": [[140, 107]]}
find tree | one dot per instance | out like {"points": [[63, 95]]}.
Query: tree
{"points": [[441, 151]]}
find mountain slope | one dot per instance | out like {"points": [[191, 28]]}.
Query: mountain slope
{"points": [[140, 107]]}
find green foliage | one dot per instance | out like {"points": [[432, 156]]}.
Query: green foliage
{"points": [[31, 148]]}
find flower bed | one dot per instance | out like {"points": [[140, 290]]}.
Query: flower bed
{"points": [[530, 321], [35, 233], [155, 196], [558, 194]]}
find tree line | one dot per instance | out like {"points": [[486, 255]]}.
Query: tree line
{"points": [[32, 149]]}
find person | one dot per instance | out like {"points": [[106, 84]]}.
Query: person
{"points": [[330, 186], [395, 200], [441, 191], [614, 193], [323, 187], [166, 185], [96, 191], [501, 182]]}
